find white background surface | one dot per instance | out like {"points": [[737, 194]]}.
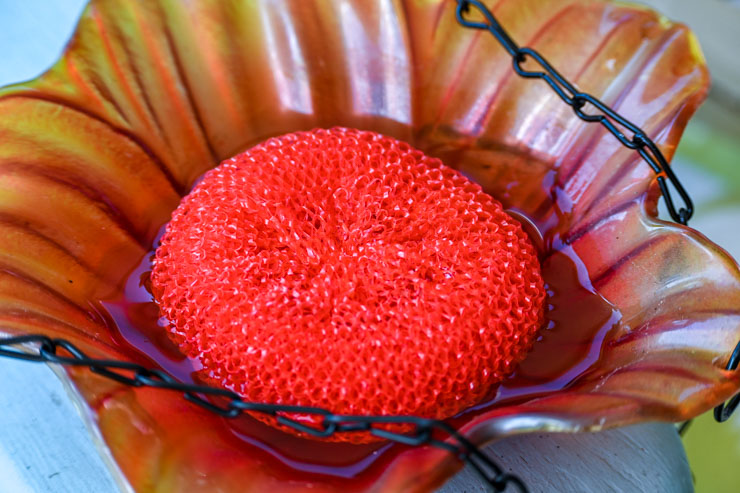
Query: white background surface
{"points": [[44, 446]]}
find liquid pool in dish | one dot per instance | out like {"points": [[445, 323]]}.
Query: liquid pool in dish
{"points": [[576, 321]]}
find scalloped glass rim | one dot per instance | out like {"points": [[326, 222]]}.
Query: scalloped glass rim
{"points": [[148, 95]]}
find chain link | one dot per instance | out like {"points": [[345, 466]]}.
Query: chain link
{"points": [[425, 431]]}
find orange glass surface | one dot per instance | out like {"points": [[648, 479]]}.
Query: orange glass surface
{"points": [[96, 153]]}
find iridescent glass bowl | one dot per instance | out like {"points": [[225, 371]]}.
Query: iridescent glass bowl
{"points": [[96, 153]]}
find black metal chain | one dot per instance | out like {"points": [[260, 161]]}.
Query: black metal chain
{"points": [[615, 123], [424, 431]]}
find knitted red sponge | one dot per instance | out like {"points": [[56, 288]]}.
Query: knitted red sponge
{"points": [[343, 269]]}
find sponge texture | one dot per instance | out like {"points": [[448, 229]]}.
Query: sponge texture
{"points": [[343, 269]]}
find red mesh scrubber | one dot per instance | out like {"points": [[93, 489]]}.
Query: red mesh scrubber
{"points": [[343, 269]]}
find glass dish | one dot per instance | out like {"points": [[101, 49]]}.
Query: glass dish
{"points": [[97, 152]]}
